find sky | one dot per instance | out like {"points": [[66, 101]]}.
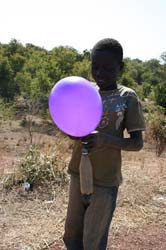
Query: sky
{"points": [[139, 25]]}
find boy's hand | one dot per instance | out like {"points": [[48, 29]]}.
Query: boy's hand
{"points": [[90, 141], [73, 137]]}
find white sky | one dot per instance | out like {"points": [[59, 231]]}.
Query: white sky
{"points": [[139, 25]]}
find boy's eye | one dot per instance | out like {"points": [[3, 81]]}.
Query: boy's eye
{"points": [[105, 68], [94, 67], [108, 68]]}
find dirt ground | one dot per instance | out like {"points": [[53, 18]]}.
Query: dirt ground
{"points": [[35, 220]]}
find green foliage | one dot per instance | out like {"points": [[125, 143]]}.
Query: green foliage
{"points": [[137, 71], [147, 88], [157, 128], [152, 72], [160, 94], [23, 122], [7, 110], [23, 79], [7, 89], [65, 59], [31, 71], [127, 80], [14, 47], [82, 69], [9, 180], [37, 169], [163, 57]]}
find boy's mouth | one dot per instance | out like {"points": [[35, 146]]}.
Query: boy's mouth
{"points": [[100, 81]]}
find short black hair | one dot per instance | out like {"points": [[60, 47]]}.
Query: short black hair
{"points": [[109, 44]]}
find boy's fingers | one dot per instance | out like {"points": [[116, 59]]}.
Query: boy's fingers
{"points": [[88, 137], [89, 147]]}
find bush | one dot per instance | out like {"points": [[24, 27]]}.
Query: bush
{"points": [[157, 127], [160, 94], [7, 110], [147, 88], [37, 169]]}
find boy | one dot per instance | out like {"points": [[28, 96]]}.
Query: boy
{"points": [[89, 216]]}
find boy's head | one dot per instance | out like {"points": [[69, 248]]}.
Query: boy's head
{"points": [[107, 63]]}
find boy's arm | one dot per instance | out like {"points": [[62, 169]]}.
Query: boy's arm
{"points": [[134, 143]]}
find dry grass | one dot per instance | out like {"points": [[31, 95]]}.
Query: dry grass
{"points": [[34, 220], [29, 221]]}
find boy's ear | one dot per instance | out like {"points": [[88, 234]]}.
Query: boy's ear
{"points": [[122, 66], [121, 69]]}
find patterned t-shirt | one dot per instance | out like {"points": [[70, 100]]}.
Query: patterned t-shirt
{"points": [[121, 110]]}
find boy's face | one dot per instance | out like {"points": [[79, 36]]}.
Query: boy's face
{"points": [[105, 69]]}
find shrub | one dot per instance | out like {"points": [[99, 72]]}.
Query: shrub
{"points": [[37, 169], [157, 128], [7, 110], [160, 94]]}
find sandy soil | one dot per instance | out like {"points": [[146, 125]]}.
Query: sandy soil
{"points": [[35, 220]]}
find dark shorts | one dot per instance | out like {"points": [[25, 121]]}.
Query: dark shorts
{"points": [[89, 217]]}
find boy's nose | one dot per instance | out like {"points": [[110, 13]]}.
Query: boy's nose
{"points": [[99, 73]]}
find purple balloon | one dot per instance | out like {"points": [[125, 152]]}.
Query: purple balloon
{"points": [[75, 106]]}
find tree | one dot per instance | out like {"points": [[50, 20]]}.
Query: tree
{"points": [[82, 69], [160, 94], [14, 47], [127, 80], [23, 80], [17, 62], [7, 88], [40, 89], [65, 59], [163, 57]]}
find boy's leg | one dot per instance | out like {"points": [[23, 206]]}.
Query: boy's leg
{"points": [[98, 217], [73, 236]]}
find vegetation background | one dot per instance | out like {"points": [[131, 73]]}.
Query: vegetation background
{"points": [[35, 154]]}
